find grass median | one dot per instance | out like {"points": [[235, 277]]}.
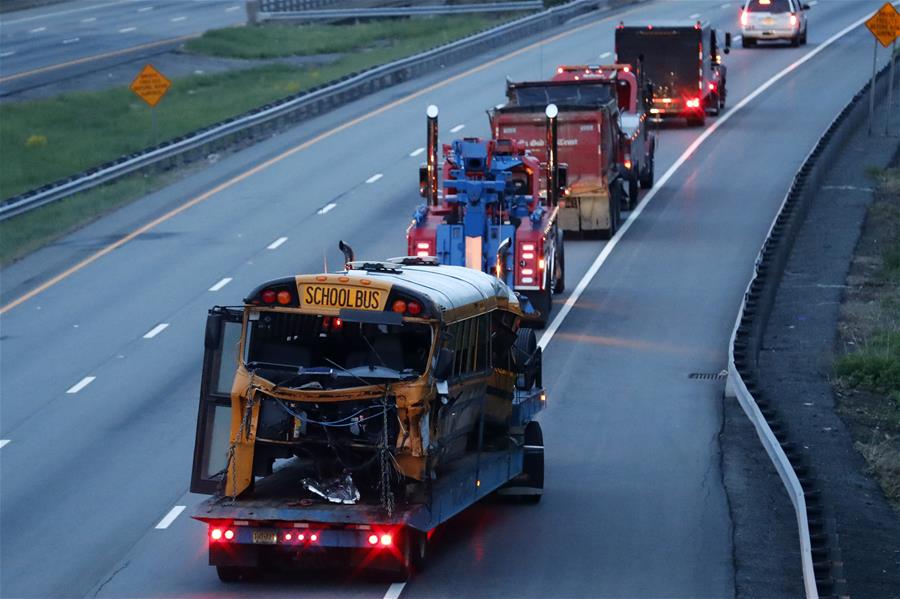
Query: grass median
{"points": [[45, 140]]}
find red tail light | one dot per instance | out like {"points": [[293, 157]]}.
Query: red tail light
{"points": [[693, 103], [414, 308], [229, 534], [744, 17], [268, 296], [313, 537], [284, 297], [386, 540], [793, 20], [215, 534], [373, 539], [399, 306]]}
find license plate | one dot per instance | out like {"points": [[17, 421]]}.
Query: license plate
{"points": [[265, 537], [342, 296], [768, 21]]}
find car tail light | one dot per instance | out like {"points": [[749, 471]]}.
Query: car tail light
{"points": [[744, 17], [793, 20]]}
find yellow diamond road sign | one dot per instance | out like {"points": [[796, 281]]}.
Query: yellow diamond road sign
{"points": [[885, 24], [150, 85]]}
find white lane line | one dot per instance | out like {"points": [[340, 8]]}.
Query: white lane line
{"points": [[89, 20], [550, 331], [276, 244], [156, 330], [727, 5], [326, 208], [416, 152], [220, 284], [694, 16], [38, 30], [5, 54], [605, 54], [71, 40], [145, 9], [62, 12], [3, 443], [176, 19], [394, 590], [457, 128], [374, 178], [127, 29], [81, 384], [232, 8], [813, 2], [736, 38], [170, 517]]}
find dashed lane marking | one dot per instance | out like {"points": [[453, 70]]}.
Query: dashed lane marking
{"points": [[170, 517], [37, 30], [457, 128], [127, 29], [81, 384], [694, 16], [232, 8], [176, 19], [374, 178], [156, 330], [145, 9], [605, 54], [326, 208], [89, 20], [220, 284], [5, 54], [276, 244], [416, 152], [394, 590], [3, 443], [71, 40]]}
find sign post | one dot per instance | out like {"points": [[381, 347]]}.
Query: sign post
{"points": [[889, 111], [150, 86], [885, 27]]}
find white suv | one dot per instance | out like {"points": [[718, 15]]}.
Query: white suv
{"points": [[773, 20]]}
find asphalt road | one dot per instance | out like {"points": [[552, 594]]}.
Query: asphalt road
{"points": [[41, 45], [635, 505]]}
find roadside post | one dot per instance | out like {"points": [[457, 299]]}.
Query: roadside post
{"points": [[150, 86], [885, 27]]}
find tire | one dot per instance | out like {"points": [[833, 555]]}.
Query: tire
{"points": [[526, 359], [713, 103], [615, 202], [415, 551], [795, 41], [559, 265], [648, 175], [633, 184], [747, 43], [533, 462]]}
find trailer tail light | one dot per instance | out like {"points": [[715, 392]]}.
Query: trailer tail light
{"points": [[218, 534], [229, 535], [313, 538], [373, 539], [386, 540], [693, 103], [215, 534]]}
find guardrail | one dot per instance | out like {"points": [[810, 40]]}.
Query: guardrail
{"points": [[820, 554], [272, 117], [397, 11]]}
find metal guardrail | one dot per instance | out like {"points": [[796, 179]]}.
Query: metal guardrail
{"points": [[398, 11], [271, 117], [822, 576], [292, 5]]}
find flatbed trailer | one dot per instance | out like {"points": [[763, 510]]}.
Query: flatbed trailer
{"points": [[277, 525]]}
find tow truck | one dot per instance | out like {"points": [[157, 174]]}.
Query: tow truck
{"points": [[589, 144], [343, 416], [493, 215], [683, 63], [637, 145]]}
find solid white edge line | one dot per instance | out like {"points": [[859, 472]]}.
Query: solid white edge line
{"points": [[459, 127], [170, 517], [224, 281], [156, 330], [81, 384], [326, 208], [3, 443], [550, 331], [416, 152], [394, 590], [276, 244], [374, 178]]}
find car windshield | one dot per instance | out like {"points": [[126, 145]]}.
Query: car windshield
{"points": [[293, 350], [669, 57], [564, 94], [772, 6]]}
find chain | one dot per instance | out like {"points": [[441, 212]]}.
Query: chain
{"points": [[387, 495]]}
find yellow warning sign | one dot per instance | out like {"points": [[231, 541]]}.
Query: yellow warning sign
{"points": [[885, 24], [150, 85]]}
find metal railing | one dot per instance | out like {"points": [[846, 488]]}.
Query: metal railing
{"points": [[397, 11], [824, 576], [271, 117]]}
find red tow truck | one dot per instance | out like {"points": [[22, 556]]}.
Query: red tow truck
{"points": [[637, 146]]}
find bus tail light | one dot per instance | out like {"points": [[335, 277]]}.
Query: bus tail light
{"points": [[268, 296]]}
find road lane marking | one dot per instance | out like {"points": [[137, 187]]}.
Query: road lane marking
{"points": [[63, 12], [813, 2], [145, 9], [156, 330], [127, 29], [394, 590], [374, 178], [89, 20], [232, 8], [3, 443], [694, 16], [62, 65], [457, 128], [38, 30], [176, 19], [326, 208], [416, 152], [220, 284], [71, 40], [550, 331], [291, 151], [170, 517], [81, 384], [276, 244], [5, 54], [605, 54], [736, 38], [727, 5]]}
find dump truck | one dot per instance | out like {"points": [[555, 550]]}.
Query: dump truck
{"points": [[683, 63], [344, 416], [589, 142], [495, 213]]}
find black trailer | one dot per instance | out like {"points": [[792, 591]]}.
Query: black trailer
{"points": [[683, 63]]}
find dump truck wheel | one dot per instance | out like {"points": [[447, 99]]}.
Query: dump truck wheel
{"points": [[648, 174], [633, 189], [615, 202], [559, 265]]}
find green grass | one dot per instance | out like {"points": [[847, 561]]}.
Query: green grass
{"points": [[22, 234], [874, 367]]}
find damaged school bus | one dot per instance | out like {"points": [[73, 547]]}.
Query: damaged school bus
{"points": [[374, 382]]}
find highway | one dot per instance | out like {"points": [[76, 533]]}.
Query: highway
{"points": [[100, 415], [41, 45]]}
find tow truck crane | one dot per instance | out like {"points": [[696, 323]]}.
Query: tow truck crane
{"points": [[492, 214]]}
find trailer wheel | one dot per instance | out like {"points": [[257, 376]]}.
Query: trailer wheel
{"points": [[415, 552], [533, 462]]}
